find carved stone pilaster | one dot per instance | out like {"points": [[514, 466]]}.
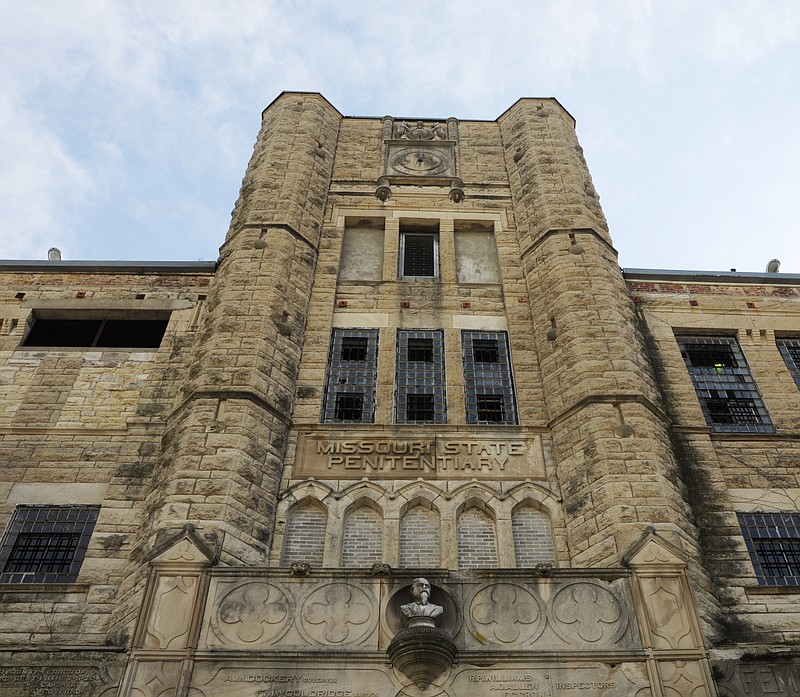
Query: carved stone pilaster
{"points": [[171, 616], [671, 636]]}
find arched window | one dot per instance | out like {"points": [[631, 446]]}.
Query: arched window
{"points": [[533, 536], [362, 544], [477, 544], [305, 534], [419, 537]]}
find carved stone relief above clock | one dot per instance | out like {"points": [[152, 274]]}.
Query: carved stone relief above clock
{"points": [[420, 149]]}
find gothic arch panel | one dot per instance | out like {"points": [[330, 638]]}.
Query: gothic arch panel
{"points": [[304, 540], [362, 541], [477, 539], [419, 536], [533, 535]]}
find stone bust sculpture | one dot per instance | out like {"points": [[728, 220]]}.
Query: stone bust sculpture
{"points": [[421, 613]]}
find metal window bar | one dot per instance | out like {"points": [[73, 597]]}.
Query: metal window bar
{"points": [[728, 395], [790, 350], [488, 380], [773, 543], [352, 376], [420, 395], [46, 544]]}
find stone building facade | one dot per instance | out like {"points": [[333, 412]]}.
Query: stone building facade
{"points": [[415, 357]]}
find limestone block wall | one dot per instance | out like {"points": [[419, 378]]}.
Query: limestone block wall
{"points": [[728, 473], [82, 426]]}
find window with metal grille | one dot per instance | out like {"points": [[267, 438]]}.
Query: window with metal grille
{"points": [[352, 374], [46, 544], [419, 254], [420, 378], [490, 408], [773, 542], [727, 393], [790, 350], [99, 332], [488, 382]]}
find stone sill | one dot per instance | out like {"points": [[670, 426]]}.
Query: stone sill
{"points": [[45, 587], [772, 590]]}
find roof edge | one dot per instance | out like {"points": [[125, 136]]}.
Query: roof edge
{"points": [[137, 267], [670, 275]]}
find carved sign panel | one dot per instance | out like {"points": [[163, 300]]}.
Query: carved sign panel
{"points": [[757, 679], [27, 676], [279, 680], [442, 456]]}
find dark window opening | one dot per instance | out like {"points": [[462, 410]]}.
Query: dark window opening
{"points": [[46, 544], [490, 408], [778, 558], [420, 350], [419, 407], [349, 407], [732, 410], [42, 553], [716, 356], [773, 543], [100, 333], [419, 254], [485, 351], [354, 349]]}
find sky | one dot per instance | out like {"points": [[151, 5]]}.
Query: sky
{"points": [[126, 127]]}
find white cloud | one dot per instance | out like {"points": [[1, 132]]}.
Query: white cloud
{"points": [[122, 120]]}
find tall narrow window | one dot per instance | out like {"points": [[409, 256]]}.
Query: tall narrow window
{"points": [[488, 383], [46, 544], [419, 250], [352, 373], [727, 392], [420, 396], [790, 350], [773, 541]]}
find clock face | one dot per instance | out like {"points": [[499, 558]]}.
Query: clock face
{"points": [[420, 160]]}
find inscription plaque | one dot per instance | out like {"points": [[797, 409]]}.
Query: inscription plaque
{"points": [[442, 456], [278, 681], [56, 680], [757, 679], [596, 680]]}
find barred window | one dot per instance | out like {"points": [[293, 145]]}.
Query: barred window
{"points": [[488, 383], [420, 378], [46, 544], [790, 350], [773, 541], [352, 373], [419, 254], [727, 392]]}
